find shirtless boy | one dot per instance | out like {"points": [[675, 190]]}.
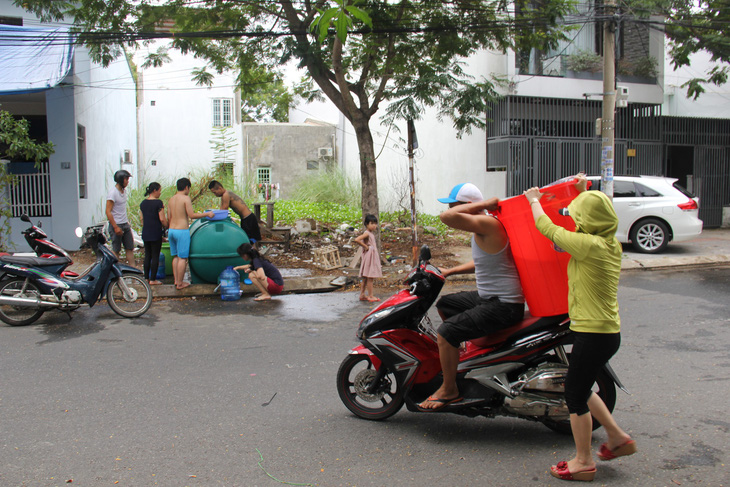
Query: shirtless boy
{"points": [[179, 213], [231, 200]]}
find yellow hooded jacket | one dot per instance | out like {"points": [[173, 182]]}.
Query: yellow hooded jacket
{"points": [[595, 263]]}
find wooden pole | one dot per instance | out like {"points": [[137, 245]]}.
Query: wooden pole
{"points": [[412, 144], [608, 134]]}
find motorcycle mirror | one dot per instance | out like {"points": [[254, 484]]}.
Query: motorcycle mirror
{"points": [[25, 218], [79, 232], [425, 253]]}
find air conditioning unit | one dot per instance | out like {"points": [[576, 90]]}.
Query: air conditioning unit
{"points": [[325, 152], [127, 157]]}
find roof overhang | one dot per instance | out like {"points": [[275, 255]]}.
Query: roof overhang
{"points": [[34, 58]]}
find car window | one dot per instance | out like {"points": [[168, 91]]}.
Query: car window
{"points": [[646, 191], [623, 189], [595, 184], [682, 190]]}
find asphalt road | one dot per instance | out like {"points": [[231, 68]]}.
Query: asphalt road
{"points": [[199, 392]]}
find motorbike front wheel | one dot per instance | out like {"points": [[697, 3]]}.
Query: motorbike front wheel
{"points": [[353, 380], [19, 315], [136, 303]]}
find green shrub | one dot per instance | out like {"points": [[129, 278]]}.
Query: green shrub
{"points": [[328, 186]]}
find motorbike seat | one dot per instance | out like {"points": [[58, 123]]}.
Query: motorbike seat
{"points": [[529, 324], [35, 261]]}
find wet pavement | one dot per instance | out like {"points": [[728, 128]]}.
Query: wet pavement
{"points": [[201, 392]]}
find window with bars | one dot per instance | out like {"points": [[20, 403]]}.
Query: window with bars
{"points": [[222, 112], [81, 155], [30, 191], [263, 175]]}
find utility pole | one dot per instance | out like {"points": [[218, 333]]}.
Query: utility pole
{"points": [[412, 145], [608, 134]]}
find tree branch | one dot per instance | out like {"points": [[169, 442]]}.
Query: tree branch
{"points": [[342, 83]]}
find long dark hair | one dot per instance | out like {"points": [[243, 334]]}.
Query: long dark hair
{"points": [[250, 250], [151, 188]]}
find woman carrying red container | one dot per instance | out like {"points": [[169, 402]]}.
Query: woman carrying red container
{"points": [[593, 275]]}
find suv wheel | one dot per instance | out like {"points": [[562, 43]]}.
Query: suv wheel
{"points": [[650, 236]]}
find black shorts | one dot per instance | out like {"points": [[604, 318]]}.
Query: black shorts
{"points": [[250, 225], [590, 352], [468, 316]]}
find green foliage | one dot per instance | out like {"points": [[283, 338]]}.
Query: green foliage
{"points": [[202, 77], [342, 17], [584, 61], [405, 52], [15, 142], [324, 212], [157, 59], [646, 67], [691, 27], [289, 211], [224, 147], [328, 186]]}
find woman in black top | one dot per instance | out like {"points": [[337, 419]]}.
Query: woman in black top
{"points": [[152, 214]]}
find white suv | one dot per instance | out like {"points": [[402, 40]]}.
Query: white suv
{"points": [[652, 211]]}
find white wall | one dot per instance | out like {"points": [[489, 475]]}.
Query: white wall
{"points": [[102, 100], [714, 103], [176, 131]]}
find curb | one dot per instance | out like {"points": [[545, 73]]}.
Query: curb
{"points": [[298, 285], [323, 284]]}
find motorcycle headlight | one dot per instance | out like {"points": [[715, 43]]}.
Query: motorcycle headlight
{"points": [[378, 315]]}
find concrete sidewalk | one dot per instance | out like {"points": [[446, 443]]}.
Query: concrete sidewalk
{"points": [[711, 248]]}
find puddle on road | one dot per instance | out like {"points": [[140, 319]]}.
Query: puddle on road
{"points": [[308, 307]]}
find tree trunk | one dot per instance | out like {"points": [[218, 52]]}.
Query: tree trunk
{"points": [[368, 174]]}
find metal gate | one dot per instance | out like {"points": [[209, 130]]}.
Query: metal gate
{"points": [[711, 182], [533, 161]]}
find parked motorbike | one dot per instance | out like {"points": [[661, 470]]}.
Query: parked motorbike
{"points": [[47, 248], [33, 285], [518, 372]]}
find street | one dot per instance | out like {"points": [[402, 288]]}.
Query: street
{"points": [[205, 392]]}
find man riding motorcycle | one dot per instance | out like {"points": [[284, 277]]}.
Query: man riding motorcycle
{"points": [[498, 302]]}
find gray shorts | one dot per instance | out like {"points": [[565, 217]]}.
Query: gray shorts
{"points": [[125, 238]]}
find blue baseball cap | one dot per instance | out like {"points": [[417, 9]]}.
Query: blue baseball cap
{"points": [[463, 193]]}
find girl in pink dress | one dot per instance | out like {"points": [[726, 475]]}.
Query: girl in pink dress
{"points": [[370, 262]]}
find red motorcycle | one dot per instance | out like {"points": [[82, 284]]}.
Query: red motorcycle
{"points": [[519, 371], [47, 248]]}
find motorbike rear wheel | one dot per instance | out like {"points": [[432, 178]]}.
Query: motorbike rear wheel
{"points": [[355, 375], [134, 305], [19, 315], [605, 388]]}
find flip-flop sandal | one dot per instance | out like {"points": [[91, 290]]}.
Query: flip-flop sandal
{"points": [[561, 471], [442, 403], [606, 454]]}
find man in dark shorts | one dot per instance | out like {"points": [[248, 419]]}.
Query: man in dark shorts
{"points": [[229, 199], [116, 213], [498, 301]]}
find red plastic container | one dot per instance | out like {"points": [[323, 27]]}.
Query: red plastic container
{"points": [[543, 268]]}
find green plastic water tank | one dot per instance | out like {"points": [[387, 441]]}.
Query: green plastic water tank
{"points": [[213, 247]]}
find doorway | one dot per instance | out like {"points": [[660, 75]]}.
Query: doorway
{"points": [[680, 165]]}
